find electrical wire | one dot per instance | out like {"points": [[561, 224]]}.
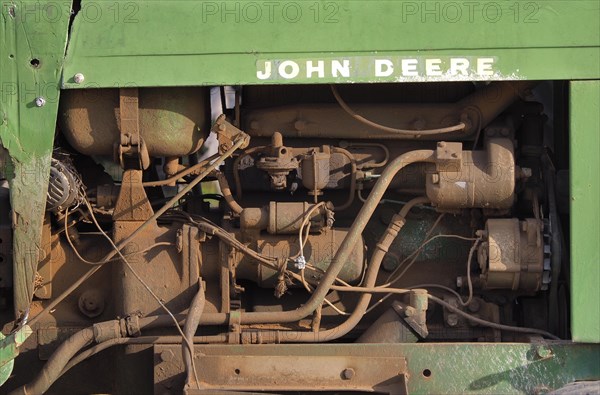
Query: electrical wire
{"points": [[144, 284], [469, 282], [456, 310], [82, 259], [413, 133], [239, 142], [413, 256], [181, 174]]}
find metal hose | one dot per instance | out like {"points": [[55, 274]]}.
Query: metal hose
{"points": [[57, 362], [226, 192], [341, 255], [189, 330], [382, 247]]}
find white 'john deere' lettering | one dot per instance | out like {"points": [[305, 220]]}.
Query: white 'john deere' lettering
{"points": [[378, 67]]}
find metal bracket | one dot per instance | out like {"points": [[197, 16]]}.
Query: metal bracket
{"points": [[131, 151], [227, 134]]}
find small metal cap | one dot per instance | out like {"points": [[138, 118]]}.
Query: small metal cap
{"points": [[78, 78], [40, 101]]}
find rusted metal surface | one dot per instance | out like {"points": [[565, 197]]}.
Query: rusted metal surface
{"points": [[172, 122], [512, 257], [484, 179], [330, 121], [308, 370]]}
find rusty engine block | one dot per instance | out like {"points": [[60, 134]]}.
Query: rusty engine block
{"points": [[366, 213]]}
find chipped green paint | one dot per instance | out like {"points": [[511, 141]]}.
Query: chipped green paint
{"points": [[32, 46], [120, 43], [9, 349], [452, 368]]}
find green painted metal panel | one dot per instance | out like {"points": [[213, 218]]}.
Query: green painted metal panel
{"points": [[585, 210], [32, 47], [160, 43]]}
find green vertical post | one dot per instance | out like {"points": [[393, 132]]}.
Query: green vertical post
{"points": [[33, 37], [585, 210]]}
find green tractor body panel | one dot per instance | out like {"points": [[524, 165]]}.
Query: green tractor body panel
{"points": [[185, 43]]}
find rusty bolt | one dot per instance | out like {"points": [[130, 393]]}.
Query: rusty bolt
{"points": [[348, 373], [166, 356], [40, 101], [474, 306], [91, 303], [78, 78], [452, 319]]}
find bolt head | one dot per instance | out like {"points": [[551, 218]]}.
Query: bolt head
{"points": [[78, 78], [40, 101], [348, 373], [544, 352], [452, 319]]}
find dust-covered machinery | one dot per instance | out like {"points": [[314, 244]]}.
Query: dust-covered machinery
{"points": [[394, 213]]}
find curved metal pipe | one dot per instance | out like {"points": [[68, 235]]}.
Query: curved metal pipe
{"points": [[350, 200], [341, 256], [189, 330], [57, 362], [226, 192], [381, 250]]}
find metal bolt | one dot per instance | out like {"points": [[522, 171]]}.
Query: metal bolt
{"points": [[78, 78], [410, 311], [474, 306], [40, 101], [544, 352], [452, 319], [166, 356], [348, 373]]}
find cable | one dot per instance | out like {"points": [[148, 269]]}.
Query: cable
{"points": [[141, 280], [181, 174], [494, 325], [469, 282], [240, 142], [456, 310], [414, 257], [310, 290], [418, 251], [353, 170], [82, 259], [412, 133]]}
